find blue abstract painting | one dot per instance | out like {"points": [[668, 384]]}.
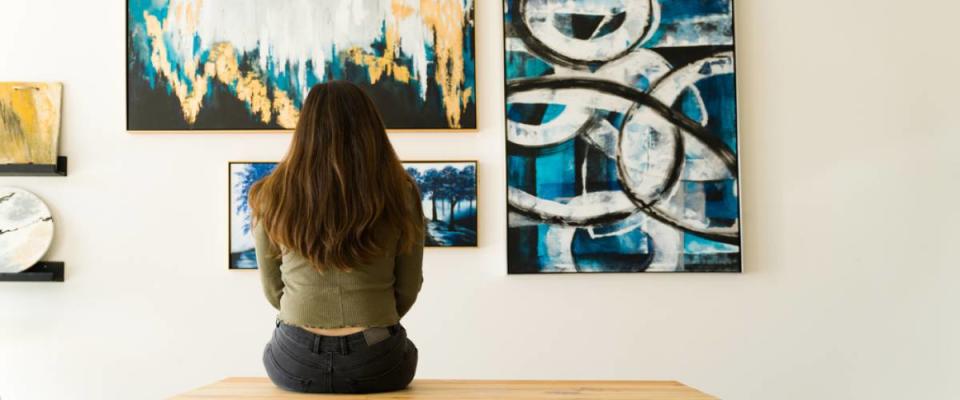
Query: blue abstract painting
{"points": [[448, 195], [249, 64], [448, 191], [622, 146]]}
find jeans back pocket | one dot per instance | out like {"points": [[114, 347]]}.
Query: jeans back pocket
{"points": [[281, 376], [396, 377]]}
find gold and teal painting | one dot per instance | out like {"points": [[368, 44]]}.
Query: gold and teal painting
{"points": [[249, 64], [29, 122]]}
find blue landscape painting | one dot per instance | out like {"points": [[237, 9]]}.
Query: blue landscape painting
{"points": [[622, 146], [249, 64], [242, 176], [448, 195], [448, 191]]}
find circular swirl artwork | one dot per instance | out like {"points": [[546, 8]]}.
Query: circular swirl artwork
{"points": [[622, 139], [26, 229]]}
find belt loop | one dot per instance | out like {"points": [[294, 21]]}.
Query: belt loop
{"points": [[344, 347], [316, 344]]}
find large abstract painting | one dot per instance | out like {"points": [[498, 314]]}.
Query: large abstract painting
{"points": [[248, 64], [29, 122], [621, 136], [448, 195]]}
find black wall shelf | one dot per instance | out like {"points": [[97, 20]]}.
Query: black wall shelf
{"points": [[58, 169], [44, 271]]}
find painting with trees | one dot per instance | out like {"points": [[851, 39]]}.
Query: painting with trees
{"points": [[448, 191]]}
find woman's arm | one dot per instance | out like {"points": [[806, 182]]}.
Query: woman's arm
{"points": [[409, 277], [268, 261]]}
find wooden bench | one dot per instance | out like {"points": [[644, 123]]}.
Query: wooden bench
{"points": [[262, 389]]}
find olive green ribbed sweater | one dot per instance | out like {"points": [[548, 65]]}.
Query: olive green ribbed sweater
{"points": [[377, 293]]}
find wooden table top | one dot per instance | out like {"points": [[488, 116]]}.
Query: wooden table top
{"points": [[262, 389]]}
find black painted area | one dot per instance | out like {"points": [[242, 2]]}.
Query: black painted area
{"points": [[58, 169], [223, 111], [522, 250], [680, 56], [44, 271], [725, 262], [520, 30], [581, 26], [155, 108]]}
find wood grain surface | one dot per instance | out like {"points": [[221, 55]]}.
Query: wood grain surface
{"points": [[262, 389]]}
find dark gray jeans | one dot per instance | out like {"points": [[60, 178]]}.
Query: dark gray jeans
{"points": [[300, 361]]}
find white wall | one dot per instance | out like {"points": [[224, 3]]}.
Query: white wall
{"points": [[850, 184]]}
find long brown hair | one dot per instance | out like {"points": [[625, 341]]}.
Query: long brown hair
{"points": [[338, 182]]}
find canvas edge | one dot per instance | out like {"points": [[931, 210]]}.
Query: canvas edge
{"points": [[736, 101], [126, 67], [506, 135], [56, 89]]}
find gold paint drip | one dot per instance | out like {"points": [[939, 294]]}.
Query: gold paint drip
{"points": [[222, 65], [378, 67], [446, 19]]}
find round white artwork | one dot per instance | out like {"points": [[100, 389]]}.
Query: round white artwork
{"points": [[26, 229]]}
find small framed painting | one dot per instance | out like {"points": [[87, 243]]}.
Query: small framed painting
{"points": [[242, 176], [448, 195], [29, 122], [448, 191]]}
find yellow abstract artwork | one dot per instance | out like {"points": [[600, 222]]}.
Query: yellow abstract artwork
{"points": [[29, 122]]}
